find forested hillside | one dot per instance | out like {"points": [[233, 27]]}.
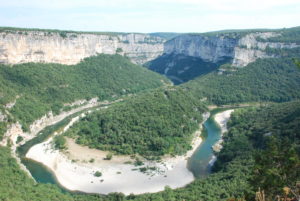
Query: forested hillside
{"points": [[181, 68], [40, 88], [276, 80], [260, 150], [152, 124]]}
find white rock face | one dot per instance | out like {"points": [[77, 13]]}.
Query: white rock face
{"points": [[242, 50], [212, 49], [39, 46], [249, 49], [243, 56], [250, 41], [50, 47]]}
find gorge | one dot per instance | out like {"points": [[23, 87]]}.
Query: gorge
{"points": [[67, 47], [128, 132]]}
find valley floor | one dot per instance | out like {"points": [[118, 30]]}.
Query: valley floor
{"points": [[75, 172], [75, 168]]}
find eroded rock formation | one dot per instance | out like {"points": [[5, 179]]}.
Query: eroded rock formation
{"points": [[70, 48]]}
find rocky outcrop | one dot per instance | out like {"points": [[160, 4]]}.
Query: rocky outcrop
{"points": [[249, 48], [243, 50], [244, 56], [14, 130], [212, 49], [70, 48]]}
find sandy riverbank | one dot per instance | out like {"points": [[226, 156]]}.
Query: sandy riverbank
{"points": [[221, 119], [15, 130], [74, 171]]}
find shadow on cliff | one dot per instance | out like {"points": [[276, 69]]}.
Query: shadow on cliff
{"points": [[180, 68]]}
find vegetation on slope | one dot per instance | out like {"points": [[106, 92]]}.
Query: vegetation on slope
{"points": [[233, 33], [273, 133], [261, 149], [62, 33], [182, 68], [291, 35], [15, 185], [285, 35], [44, 87], [152, 124], [284, 52], [297, 62], [274, 79]]}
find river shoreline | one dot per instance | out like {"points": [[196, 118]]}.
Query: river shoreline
{"points": [[15, 130], [221, 119], [74, 171], [75, 168]]}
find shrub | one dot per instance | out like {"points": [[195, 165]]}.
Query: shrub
{"points": [[59, 142], [98, 174], [108, 156]]}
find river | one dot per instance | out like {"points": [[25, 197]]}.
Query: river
{"points": [[199, 163]]}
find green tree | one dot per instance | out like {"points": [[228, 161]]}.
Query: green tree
{"points": [[276, 167], [59, 142]]}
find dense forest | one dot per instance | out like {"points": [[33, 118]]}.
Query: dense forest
{"points": [[284, 52], [260, 150], [275, 80], [152, 124], [40, 88]]}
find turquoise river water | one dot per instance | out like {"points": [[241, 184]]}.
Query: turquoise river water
{"points": [[199, 163]]}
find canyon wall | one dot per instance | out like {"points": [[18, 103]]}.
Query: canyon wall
{"points": [[70, 48], [212, 49], [243, 50]]}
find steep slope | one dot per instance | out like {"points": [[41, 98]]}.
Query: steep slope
{"points": [[151, 124], [180, 68], [264, 80], [257, 140], [29, 91], [188, 55], [69, 47], [285, 35], [259, 150]]}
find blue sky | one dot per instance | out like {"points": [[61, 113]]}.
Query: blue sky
{"points": [[150, 15]]}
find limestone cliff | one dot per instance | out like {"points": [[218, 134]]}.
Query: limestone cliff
{"points": [[212, 49], [71, 48], [249, 48], [243, 50]]}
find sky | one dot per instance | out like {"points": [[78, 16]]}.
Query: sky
{"points": [[150, 15]]}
